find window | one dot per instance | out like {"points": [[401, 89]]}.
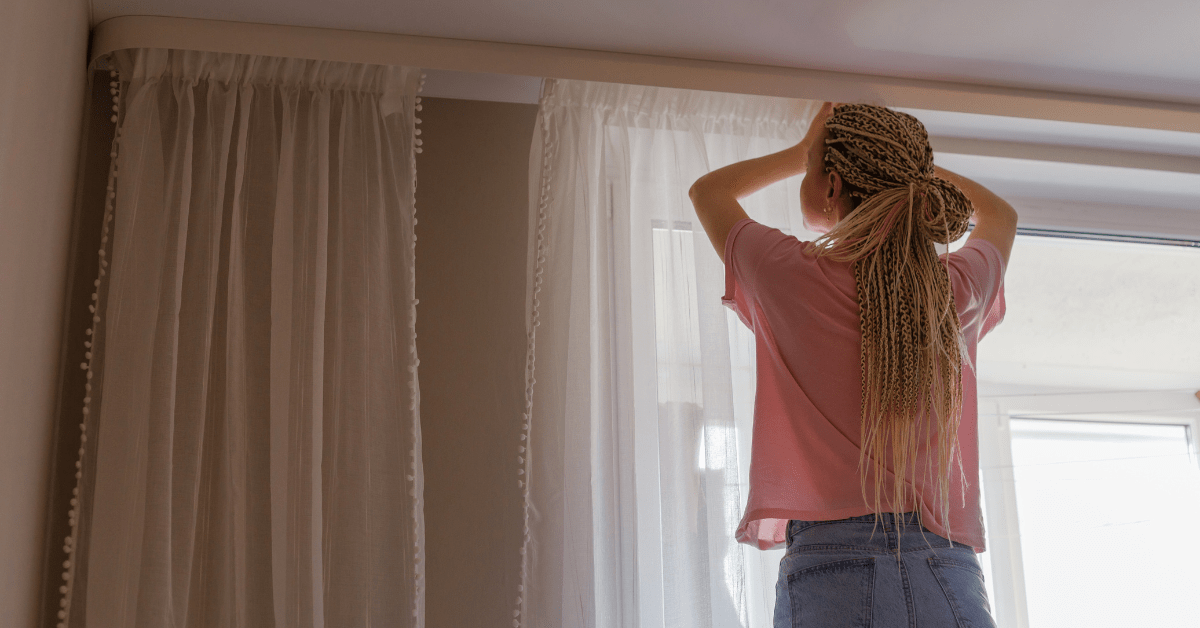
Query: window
{"points": [[719, 453], [1104, 510], [696, 451], [1088, 427], [1087, 508]]}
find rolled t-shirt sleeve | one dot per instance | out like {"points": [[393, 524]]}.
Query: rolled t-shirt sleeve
{"points": [[978, 270], [747, 246]]}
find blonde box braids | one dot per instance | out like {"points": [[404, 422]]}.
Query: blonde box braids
{"points": [[912, 348]]}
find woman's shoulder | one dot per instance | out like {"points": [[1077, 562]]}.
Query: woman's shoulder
{"points": [[977, 257], [977, 278]]}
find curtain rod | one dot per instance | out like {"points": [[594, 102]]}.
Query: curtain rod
{"points": [[1099, 236], [461, 55]]}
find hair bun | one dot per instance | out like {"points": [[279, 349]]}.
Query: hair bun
{"points": [[944, 216]]}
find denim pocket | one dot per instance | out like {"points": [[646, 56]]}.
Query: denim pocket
{"points": [[963, 585], [833, 595]]}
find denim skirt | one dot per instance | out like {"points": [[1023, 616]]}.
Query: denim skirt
{"points": [[885, 573]]}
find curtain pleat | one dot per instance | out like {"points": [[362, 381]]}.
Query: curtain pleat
{"points": [[256, 439], [640, 384]]}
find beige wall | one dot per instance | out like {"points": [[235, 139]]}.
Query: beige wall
{"points": [[43, 45], [83, 265], [471, 233]]}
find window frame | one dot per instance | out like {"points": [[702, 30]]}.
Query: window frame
{"points": [[996, 410]]}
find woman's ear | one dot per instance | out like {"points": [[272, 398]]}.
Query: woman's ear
{"points": [[834, 191]]}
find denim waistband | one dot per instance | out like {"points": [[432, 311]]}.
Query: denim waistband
{"points": [[887, 533]]}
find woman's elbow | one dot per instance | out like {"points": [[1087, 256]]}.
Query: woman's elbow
{"points": [[706, 189]]}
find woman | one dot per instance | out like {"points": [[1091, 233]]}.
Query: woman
{"points": [[864, 453]]}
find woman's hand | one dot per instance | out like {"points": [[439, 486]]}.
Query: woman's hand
{"points": [[818, 123]]}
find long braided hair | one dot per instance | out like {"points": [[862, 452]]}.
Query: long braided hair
{"points": [[912, 348]]}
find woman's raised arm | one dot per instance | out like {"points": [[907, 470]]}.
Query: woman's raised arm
{"points": [[715, 195]]}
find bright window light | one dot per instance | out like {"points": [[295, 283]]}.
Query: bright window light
{"points": [[1106, 513], [676, 319]]}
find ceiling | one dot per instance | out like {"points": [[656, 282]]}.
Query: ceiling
{"points": [[1111, 47]]}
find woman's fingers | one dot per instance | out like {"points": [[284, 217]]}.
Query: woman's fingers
{"points": [[818, 121]]}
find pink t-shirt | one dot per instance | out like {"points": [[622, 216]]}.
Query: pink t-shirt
{"points": [[807, 413]]}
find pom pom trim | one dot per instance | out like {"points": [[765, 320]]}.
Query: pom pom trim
{"points": [[71, 541], [524, 454]]}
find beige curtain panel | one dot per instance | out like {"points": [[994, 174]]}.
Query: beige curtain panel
{"points": [[255, 450]]}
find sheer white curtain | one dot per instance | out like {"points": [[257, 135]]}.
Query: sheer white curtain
{"points": [[640, 382], [255, 451]]}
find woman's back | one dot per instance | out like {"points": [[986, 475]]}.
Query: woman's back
{"points": [[807, 438]]}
